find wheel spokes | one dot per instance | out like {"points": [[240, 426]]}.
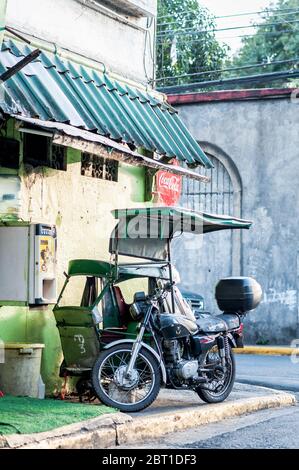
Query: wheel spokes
{"points": [[217, 386], [110, 378]]}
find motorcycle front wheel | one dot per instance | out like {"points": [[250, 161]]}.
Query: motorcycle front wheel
{"points": [[115, 389], [219, 385]]}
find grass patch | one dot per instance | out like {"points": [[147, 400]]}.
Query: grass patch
{"points": [[23, 415]]}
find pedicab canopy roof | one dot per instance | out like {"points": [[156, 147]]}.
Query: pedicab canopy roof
{"points": [[103, 269], [145, 232]]}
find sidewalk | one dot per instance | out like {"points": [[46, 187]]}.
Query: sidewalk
{"points": [[172, 411], [270, 350]]}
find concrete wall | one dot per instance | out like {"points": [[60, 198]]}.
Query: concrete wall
{"points": [[125, 44], [261, 138], [80, 207], [131, 7]]}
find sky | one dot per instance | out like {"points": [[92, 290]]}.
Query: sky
{"points": [[232, 7]]}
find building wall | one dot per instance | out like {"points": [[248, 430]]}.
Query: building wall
{"points": [[125, 47], [80, 207], [261, 139]]}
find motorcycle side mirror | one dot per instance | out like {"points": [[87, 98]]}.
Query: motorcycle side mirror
{"points": [[168, 286]]}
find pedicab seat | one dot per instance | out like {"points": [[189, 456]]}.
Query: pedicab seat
{"points": [[123, 307]]}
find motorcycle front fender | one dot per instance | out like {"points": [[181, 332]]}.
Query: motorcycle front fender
{"points": [[146, 346]]}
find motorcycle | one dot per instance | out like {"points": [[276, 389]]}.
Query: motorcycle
{"points": [[189, 354], [123, 353], [185, 352]]}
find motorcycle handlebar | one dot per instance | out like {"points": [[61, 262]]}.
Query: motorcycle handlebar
{"points": [[160, 291]]}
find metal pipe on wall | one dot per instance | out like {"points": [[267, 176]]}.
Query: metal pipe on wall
{"points": [[111, 14]]}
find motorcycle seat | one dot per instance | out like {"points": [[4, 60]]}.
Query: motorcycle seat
{"points": [[231, 319], [211, 324]]}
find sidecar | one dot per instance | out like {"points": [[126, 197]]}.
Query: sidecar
{"points": [[93, 308], [93, 311]]}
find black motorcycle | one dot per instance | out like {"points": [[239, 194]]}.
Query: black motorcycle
{"points": [[162, 342], [176, 350]]}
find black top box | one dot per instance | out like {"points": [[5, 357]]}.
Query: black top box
{"points": [[238, 294]]}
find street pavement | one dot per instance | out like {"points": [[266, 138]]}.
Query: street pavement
{"points": [[278, 372], [265, 429]]}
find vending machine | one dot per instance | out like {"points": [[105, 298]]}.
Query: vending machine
{"points": [[43, 289], [28, 264]]}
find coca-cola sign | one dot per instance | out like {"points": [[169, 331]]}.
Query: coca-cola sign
{"points": [[168, 187]]}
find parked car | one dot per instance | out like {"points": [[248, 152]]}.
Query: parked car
{"points": [[196, 301]]}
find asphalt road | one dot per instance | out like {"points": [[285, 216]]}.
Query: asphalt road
{"points": [[278, 429], [266, 429], [277, 372]]}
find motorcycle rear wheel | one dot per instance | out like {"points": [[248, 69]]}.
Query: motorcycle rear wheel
{"points": [[108, 372], [222, 390]]}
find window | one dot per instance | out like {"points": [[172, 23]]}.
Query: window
{"points": [[9, 153], [39, 151], [99, 167], [58, 157]]}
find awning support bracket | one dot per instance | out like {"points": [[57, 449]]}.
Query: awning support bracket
{"points": [[20, 65]]}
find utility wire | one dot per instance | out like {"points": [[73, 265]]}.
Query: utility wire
{"points": [[230, 69], [162, 35], [230, 16], [192, 31], [268, 77], [262, 12], [290, 10], [268, 33]]}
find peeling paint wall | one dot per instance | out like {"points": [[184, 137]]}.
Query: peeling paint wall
{"points": [[80, 207], [261, 137]]}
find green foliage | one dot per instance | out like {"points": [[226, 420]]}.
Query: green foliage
{"points": [[182, 47], [280, 43]]}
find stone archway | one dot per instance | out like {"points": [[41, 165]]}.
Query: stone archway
{"points": [[220, 254], [236, 200]]}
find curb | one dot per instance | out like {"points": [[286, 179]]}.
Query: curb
{"points": [[119, 428], [100, 432], [268, 350], [157, 426]]}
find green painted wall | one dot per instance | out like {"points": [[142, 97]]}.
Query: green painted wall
{"points": [[21, 324], [80, 208]]}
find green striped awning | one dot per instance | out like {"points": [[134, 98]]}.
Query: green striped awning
{"points": [[59, 90]]}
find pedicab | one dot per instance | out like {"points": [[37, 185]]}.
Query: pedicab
{"points": [[123, 352]]}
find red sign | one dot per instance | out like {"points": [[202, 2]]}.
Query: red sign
{"points": [[168, 187]]}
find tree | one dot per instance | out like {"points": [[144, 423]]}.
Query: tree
{"points": [[277, 39], [186, 42]]}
